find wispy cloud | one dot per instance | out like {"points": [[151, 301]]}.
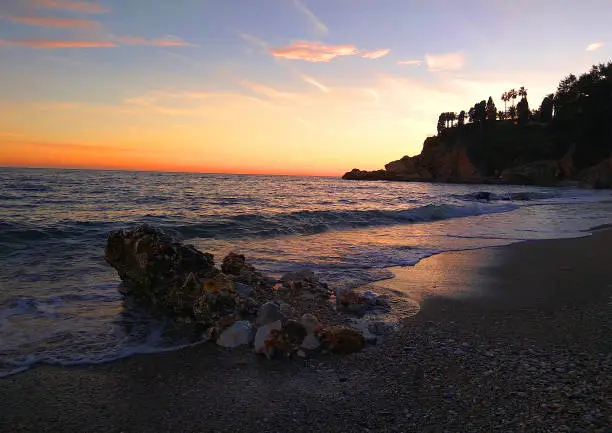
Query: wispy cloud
{"points": [[377, 54], [318, 25], [52, 44], [73, 6], [594, 46], [315, 83], [253, 40], [54, 22], [267, 91], [445, 62], [313, 51], [44, 44], [410, 62], [166, 41]]}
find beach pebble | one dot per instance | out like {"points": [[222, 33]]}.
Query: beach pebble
{"points": [[370, 297], [264, 338], [268, 313], [302, 274], [380, 328], [244, 290], [296, 331], [310, 342], [310, 323], [340, 339], [239, 334]]}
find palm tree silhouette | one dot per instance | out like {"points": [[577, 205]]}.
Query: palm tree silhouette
{"points": [[522, 92], [505, 98], [513, 94]]}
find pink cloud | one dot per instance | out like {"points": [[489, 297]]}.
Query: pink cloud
{"points": [[410, 62], [43, 44], [166, 41], [445, 62], [594, 46], [377, 54], [55, 22], [73, 6], [313, 51]]}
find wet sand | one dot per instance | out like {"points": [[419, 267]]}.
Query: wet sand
{"points": [[524, 344]]}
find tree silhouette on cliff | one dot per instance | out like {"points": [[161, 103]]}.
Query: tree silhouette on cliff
{"points": [[491, 110]]}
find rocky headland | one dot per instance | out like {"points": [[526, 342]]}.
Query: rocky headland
{"points": [[568, 140]]}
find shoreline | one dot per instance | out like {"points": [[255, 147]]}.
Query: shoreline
{"points": [[532, 353]]}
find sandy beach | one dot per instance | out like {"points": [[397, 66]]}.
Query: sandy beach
{"points": [[523, 344]]}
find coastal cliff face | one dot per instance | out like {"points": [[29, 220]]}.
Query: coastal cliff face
{"points": [[504, 155]]}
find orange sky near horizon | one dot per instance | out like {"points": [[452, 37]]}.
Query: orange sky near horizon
{"points": [[311, 87]]}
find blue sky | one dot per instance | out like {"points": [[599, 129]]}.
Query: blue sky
{"points": [[346, 82]]}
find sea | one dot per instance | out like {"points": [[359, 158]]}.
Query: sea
{"points": [[59, 302]]}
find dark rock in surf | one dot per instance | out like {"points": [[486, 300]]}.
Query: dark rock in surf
{"points": [[174, 277], [157, 267]]}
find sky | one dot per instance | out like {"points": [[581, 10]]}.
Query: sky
{"points": [[313, 87]]}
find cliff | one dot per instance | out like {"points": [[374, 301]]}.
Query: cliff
{"points": [[502, 152]]}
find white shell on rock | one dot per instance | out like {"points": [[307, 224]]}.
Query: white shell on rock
{"points": [[239, 334], [263, 334]]}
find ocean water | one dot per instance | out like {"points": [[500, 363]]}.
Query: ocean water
{"points": [[59, 302]]}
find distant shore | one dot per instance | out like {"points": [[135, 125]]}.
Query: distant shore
{"points": [[522, 345]]}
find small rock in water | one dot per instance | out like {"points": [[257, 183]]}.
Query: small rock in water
{"points": [[239, 334], [268, 313]]}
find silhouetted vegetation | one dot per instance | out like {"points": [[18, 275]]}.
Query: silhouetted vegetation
{"points": [[577, 115]]}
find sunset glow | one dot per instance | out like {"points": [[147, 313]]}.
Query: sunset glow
{"points": [[280, 86]]}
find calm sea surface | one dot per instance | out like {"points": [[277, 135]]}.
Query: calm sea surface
{"points": [[58, 298]]}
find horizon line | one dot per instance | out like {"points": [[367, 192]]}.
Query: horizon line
{"points": [[137, 170]]}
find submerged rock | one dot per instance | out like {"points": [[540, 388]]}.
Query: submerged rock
{"points": [[340, 339], [239, 334]]}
